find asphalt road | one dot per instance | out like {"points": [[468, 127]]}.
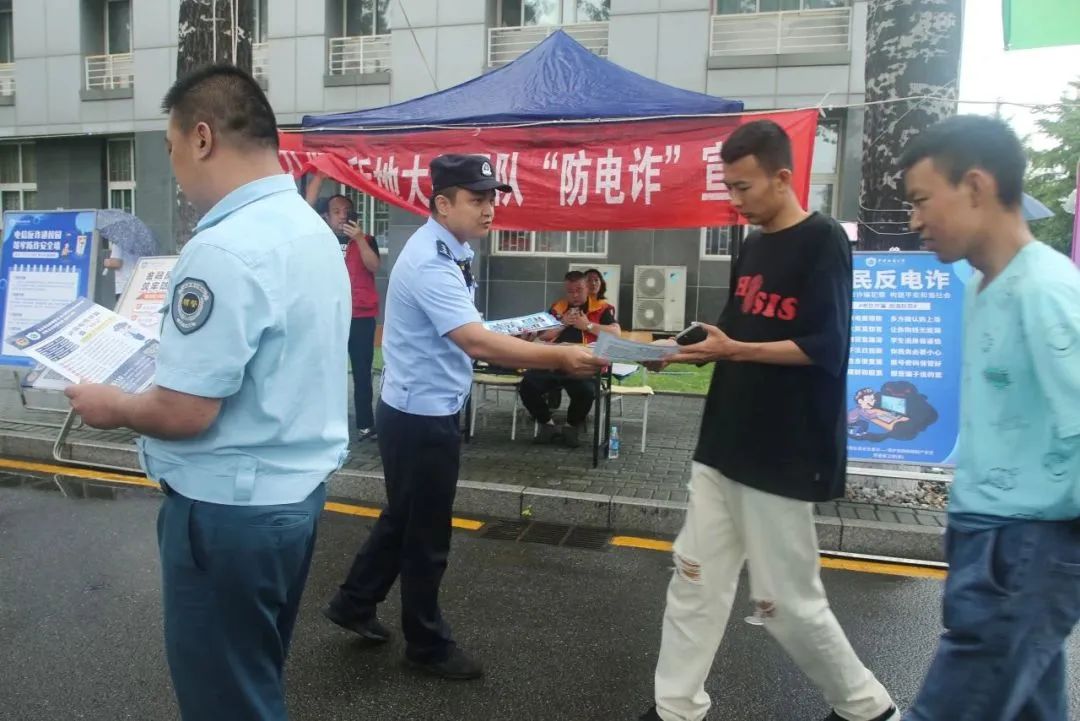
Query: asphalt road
{"points": [[565, 633]]}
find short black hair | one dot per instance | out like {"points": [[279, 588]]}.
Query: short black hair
{"points": [[763, 139], [602, 295], [963, 142], [226, 98], [335, 196], [450, 193], [574, 276]]}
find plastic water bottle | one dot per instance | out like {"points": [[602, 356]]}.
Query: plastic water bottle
{"points": [[613, 443]]}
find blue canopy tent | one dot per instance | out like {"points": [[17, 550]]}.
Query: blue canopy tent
{"points": [[557, 81], [604, 127]]}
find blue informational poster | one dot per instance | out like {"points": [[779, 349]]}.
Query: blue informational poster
{"points": [[904, 372], [46, 261]]}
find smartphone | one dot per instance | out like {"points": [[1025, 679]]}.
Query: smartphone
{"points": [[353, 217], [693, 334]]}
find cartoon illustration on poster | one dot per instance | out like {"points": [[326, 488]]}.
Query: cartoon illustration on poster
{"points": [[904, 372]]}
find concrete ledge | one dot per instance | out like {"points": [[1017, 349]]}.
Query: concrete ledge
{"points": [[846, 531], [570, 507], [497, 500], [114, 94], [339, 81], [639, 514], [776, 60], [830, 532], [891, 539], [7, 99], [106, 454], [358, 487], [26, 445]]}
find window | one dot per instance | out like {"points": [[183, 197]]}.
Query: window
{"points": [[260, 21], [7, 33], [825, 173], [590, 243], [374, 213], [121, 170], [716, 242], [517, 13], [117, 27], [364, 18], [738, 7], [18, 176]]}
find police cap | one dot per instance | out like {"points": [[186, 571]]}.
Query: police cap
{"points": [[472, 172]]}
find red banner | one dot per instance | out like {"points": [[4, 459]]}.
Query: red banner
{"points": [[602, 176]]}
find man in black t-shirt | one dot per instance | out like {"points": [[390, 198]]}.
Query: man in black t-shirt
{"points": [[773, 441], [583, 318]]}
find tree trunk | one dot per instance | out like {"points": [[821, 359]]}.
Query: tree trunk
{"points": [[912, 49], [206, 36]]}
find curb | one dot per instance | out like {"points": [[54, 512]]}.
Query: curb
{"points": [[550, 505]]}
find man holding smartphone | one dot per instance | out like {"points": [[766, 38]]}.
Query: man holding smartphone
{"points": [[362, 260], [782, 343]]}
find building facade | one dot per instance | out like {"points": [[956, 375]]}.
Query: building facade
{"points": [[81, 83]]}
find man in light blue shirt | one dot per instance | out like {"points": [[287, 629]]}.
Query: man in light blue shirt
{"points": [[1013, 540], [431, 332], [248, 414]]}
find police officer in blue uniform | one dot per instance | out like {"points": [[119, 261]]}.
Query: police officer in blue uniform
{"points": [[248, 416], [431, 331]]}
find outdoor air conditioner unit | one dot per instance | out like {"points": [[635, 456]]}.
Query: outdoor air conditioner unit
{"points": [[659, 297]]}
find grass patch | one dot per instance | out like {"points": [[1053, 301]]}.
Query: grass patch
{"points": [[676, 378]]}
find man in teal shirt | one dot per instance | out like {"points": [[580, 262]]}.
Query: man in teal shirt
{"points": [[1013, 539]]}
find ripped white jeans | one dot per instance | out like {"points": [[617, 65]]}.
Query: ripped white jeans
{"points": [[726, 525]]}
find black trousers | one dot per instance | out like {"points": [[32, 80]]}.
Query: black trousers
{"points": [[537, 384], [421, 456], [361, 355]]}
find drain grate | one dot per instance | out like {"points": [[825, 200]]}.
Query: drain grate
{"points": [[553, 534], [504, 530], [594, 539], [550, 534]]}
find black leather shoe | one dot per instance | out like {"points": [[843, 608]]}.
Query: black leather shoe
{"points": [[458, 666], [369, 629], [650, 715], [893, 714], [547, 434]]}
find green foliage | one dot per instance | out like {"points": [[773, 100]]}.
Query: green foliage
{"points": [[1052, 172]]}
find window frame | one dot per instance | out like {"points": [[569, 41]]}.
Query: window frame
{"points": [[834, 178], [374, 22], [802, 8], [563, 6], [262, 28], [108, 35], [532, 252], [705, 255], [22, 187], [121, 186], [9, 11]]}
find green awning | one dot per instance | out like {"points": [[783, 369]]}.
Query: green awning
{"points": [[1040, 23]]}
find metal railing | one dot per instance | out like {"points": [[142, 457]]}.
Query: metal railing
{"points": [[110, 72], [804, 31], [508, 44], [7, 79], [260, 60], [367, 54]]}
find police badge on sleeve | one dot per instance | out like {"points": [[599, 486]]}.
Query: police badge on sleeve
{"points": [[191, 305]]}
